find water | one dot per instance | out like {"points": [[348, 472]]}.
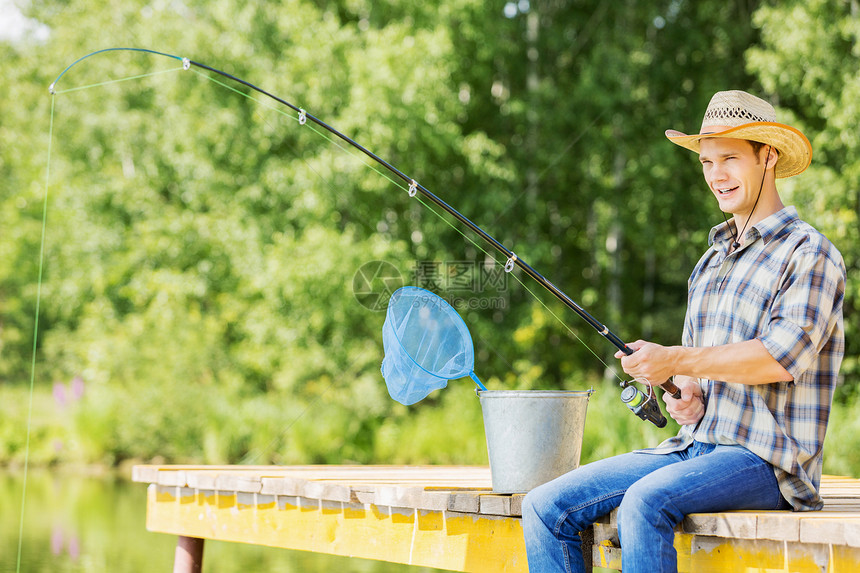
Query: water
{"points": [[80, 524]]}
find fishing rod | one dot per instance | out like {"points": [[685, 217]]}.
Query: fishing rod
{"points": [[645, 407]]}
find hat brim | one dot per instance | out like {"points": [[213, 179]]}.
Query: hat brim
{"points": [[795, 151]]}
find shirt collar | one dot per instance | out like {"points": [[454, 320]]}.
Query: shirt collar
{"points": [[768, 228]]}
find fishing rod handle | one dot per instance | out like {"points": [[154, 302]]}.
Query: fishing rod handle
{"points": [[673, 390]]}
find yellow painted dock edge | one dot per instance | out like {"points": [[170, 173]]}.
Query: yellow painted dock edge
{"points": [[698, 553], [440, 539]]}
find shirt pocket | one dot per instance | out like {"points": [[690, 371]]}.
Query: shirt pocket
{"points": [[749, 308]]}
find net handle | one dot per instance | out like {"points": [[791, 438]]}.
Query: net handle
{"points": [[474, 377]]}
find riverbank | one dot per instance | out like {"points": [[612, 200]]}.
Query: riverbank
{"points": [[104, 432]]}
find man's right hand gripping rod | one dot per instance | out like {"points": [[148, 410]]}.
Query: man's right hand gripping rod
{"points": [[646, 407]]}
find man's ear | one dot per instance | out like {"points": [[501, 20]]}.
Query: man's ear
{"points": [[772, 157]]}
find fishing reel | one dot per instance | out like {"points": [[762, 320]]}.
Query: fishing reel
{"points": [[644, 406]]}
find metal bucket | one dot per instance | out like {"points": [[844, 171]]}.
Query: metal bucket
{"points": [[533, 436]]}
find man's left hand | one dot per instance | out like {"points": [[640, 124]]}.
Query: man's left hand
{"points": [[690, 408]]}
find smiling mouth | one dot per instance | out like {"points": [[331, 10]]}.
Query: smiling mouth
{"points": [[726, 191]]}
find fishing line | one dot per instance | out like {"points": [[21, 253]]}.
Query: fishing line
{"points": [[35, 338], [101, 84], [40, 276]]}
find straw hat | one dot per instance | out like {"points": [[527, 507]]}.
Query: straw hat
{"points": [[751, 118]]}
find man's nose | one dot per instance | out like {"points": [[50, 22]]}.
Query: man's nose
{"points": [[716, 173]]}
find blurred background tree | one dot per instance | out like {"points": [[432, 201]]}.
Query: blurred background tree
{"points": [[202, 247]]}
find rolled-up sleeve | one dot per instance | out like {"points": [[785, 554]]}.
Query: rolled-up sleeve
{"points": [[802, 317]]}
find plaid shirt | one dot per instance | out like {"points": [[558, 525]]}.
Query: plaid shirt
{"points": [[784, 287]]}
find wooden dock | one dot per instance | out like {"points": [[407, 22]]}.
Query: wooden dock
{"points": [[447, 517]]}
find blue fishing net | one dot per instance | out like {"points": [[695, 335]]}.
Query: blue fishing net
{"points": [[426, 344]]}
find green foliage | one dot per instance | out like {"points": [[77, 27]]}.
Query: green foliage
{"points": [[842, 446], [201, 245]]}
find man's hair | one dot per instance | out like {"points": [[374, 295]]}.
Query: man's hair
{"points": [[758, 146]]}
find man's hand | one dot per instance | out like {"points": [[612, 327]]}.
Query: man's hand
{"points": [[651, 363], [691, 407]]}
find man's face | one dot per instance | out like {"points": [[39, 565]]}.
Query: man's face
{"points": [[733, 172]]}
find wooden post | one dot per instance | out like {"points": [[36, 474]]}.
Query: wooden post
{"points": [[189, 555], [587, 537]]}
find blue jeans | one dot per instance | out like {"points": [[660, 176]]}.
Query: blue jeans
{"points": [[654, 492]]}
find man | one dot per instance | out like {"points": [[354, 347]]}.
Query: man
{"points": [[762, 343]]}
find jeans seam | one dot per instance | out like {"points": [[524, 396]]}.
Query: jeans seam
{"points": [[566, 558], [563, 517]]}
